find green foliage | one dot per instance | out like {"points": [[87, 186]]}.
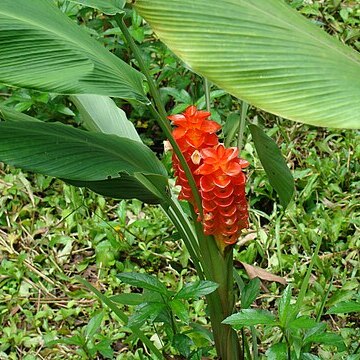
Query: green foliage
{"points": [[264, 53]]}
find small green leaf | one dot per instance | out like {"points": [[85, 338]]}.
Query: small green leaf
{"points": [[249, 317], [250, 292], [344, 307], [108, 7], [93, 326], [180, 310], [197, 289], [144, 281], [145, 312], [274, 165], [286, 311], [277, 352]]}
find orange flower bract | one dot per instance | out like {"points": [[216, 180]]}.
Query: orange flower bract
{"points": [[217, 172]]}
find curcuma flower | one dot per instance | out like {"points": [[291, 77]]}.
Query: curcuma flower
{"points": [[222, 190], [217, 172], [193, 132]]}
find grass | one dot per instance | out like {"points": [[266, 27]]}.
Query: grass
{"points": [[51, 232]]}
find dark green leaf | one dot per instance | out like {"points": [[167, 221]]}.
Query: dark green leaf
{"points": [[144, 281], [63, 151], [125, 187], [183, 344], [277, 352], [248, 317], [344, 307], [197, 289], [145, 312], [274, 165], [250, 292]]}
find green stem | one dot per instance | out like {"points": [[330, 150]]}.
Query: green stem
{"points": [[160, 114], [207, 94], [244, 110], [218, 267]]}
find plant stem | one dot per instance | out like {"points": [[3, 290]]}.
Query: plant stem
{"points": [[159, 114], [244, 110], [207, 94]]}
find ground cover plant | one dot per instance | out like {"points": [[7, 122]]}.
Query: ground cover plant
{"points": [[304, 306]]}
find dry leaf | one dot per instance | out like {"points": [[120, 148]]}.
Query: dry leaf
{"points": [[254, 271]]}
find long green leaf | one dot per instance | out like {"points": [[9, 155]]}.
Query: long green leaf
{"points": [[42, 48], [63, 151], [100, 113], [265, 53], [274, 164], [125, 187]]}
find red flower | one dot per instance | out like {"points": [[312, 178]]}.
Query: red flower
{"points": [[217, 172], [222, 189], [193, 132]]}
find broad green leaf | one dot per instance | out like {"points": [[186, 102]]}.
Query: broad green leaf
{"points": [[145, 312], [344, 307], [249, 317], [274, 165], [277, 352], [109, 7], [93, 326], [144, 281], [42, 48], [10, 114], [197, 289], [63, 151], [100, 113], [250, 292], [265, 53]]}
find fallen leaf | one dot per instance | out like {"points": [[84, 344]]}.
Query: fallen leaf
{"points": [[254, 271]]}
